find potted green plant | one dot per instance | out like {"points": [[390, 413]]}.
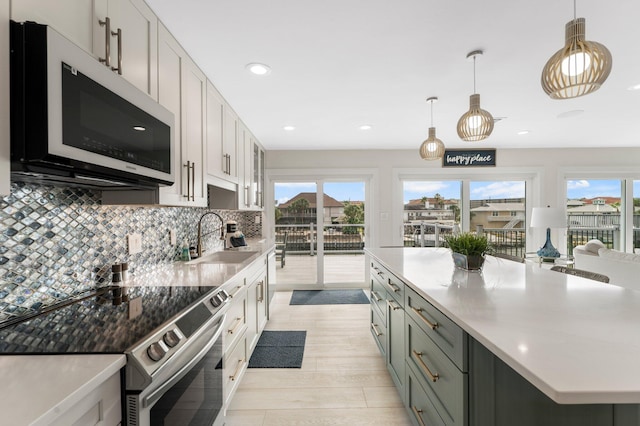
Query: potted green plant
{"points": [[468, 250]]}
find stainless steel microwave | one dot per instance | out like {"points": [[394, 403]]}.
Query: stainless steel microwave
{"points": [[75, 122]]}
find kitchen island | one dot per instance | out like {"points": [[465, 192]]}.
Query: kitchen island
{"points": [[531, 338]]}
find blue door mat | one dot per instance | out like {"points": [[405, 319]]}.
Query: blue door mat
{"points": [[279, 349], [329, 297]]}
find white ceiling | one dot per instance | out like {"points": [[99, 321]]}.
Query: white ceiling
{"points": [[338, 64]]}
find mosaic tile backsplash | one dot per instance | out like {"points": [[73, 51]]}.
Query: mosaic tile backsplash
{"points": [[59, 242]]}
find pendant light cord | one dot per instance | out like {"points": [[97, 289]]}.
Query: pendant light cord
{"points": [[474, 74], [431, 101]]}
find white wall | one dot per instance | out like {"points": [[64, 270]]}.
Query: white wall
{"points": [[547, 168]]}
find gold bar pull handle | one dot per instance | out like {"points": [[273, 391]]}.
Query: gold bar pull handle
{"points": [[239, 322], [393, 287], [260, 289], [235, 293], [375, 296], [193, 181], [107, 41], [393, 305], [118, 35], [375, 329], [418, 413], [237, 371], [432, 376], [431, 325]]}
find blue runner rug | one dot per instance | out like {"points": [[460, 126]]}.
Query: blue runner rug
{"points": [[279, 349], [329, 297]]}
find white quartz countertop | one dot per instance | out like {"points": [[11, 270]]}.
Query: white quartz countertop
{"points": [[575, 339], [36, 389]]}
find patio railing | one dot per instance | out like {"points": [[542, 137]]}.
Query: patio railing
{"points": [[338, 238]]}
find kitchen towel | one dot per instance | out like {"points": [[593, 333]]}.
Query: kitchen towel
{"points": [[329, 297], [279, 349]]}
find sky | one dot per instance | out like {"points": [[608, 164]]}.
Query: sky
{"points": [[354, 191], [341, 191]]}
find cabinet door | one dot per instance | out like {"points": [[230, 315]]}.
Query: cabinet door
{"points": [[252, 319], [244, 167], [194, 89], [4, 98], [71, 18], [396, 352], [138, 43], [261, 307], [170, 55], [230, 142], [258, 176], [216, 163]]}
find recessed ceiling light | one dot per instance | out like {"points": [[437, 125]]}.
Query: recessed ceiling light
{"points": [[572, 113], [289, 128], [139, 128], [523, 132], [259, 69], [366, 127], [634, 87]]}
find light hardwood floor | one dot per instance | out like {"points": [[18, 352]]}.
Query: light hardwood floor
{"points": [[343, 379]]}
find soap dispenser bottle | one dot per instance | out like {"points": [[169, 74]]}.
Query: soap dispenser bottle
{"points": [[184, 252]]}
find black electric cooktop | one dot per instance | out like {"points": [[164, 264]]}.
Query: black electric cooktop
{"points": [[107, 321]]}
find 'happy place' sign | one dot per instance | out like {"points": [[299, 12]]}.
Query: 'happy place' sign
{"points": [[469, 158]]}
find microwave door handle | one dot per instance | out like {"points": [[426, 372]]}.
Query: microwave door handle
{"points": [[107, 41], [118, 35]]}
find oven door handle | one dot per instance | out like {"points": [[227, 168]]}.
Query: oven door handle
{"points": [[157, 394]]}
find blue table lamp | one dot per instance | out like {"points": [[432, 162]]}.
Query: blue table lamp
{"points": [[548, 217]]}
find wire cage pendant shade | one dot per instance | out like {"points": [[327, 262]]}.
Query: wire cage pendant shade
{"points": [[432, 148], [476, 124], [577, 69]]}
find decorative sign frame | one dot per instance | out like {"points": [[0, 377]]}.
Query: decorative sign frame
{"points": [[469, 158]]}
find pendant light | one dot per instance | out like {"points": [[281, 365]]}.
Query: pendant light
{"points": [[579, 68], [475, 124], [432, 148]]}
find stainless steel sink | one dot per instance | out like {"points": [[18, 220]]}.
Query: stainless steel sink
{"points": [[224, 257]]}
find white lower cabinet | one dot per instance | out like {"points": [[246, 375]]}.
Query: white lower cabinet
{"points": [[99, 407], [246, 318]]}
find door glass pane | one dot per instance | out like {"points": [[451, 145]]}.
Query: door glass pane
{"points": [[296, 225], [431, 210], [343, 232], [593, 210], [497, 208]]}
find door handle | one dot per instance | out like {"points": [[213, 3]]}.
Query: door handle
{"points": [[107, 41], [118, 35]]}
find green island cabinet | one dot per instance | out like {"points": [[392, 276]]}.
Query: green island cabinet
{"points": [[445, 377]]}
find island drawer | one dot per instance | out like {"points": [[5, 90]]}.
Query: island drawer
{"points": [[419, 404], [445, 385], [378, 328], [378, 297], [393, 285], [445, 333]]}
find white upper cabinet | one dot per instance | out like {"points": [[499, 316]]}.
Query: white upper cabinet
{"points": [[130, 42], [222, 138], [71, 18], [245, 169], [4, 98]]}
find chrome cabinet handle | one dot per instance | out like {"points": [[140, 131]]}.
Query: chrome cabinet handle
{"points": [[239, 322], [375, 296], [393, 305], [235, 373], [188, 167], [107, 41], [418, 413], [432, 376], [118, 34], [375, 329], [431, 325], [193, 181]]}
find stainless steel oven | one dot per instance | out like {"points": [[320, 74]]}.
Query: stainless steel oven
{"points": [[174, 377]]}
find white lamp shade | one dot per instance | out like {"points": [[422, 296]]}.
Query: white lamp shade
{"points": [[548, 217]]}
